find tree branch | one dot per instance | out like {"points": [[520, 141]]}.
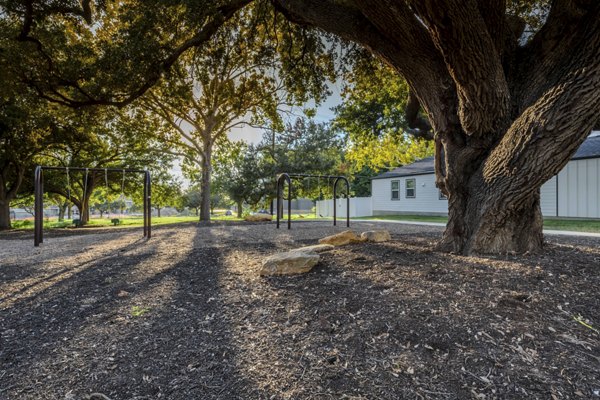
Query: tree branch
{"points": [[223, 14], [484, 98], [420, 127]]}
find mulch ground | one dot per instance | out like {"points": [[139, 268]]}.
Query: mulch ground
{"points": [[185, 316]]}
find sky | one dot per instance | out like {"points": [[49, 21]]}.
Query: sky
{"points": [[324, 114]]}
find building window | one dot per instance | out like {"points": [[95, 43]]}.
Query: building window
{"points": [[442, 195], [395, 190], [411, 188]]}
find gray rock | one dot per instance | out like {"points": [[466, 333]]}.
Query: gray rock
{"points": [[376, 236], [341, 238], [316, 248], [289, 263]]}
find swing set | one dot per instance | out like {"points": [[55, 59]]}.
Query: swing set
{"points": [[285, 177], [38, 234]]}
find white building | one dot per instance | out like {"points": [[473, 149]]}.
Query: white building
{"points": [[573, 193]]}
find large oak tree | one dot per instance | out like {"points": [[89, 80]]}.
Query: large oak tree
{"points": [[507, 110]]}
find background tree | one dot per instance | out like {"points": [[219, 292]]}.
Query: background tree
{"points": [[232, 82], [373, 117], [166, 191], [192, 198], [110, 139], [28, 126], [239, 175]]}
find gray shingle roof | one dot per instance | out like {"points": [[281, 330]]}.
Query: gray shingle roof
{"points": [[589, 149], [424, 166]]}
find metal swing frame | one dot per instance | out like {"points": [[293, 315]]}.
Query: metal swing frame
{"points": [[38, 235], [285, 177]]}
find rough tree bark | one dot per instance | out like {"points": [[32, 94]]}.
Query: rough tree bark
{"points": [[4, 213], [506, 117], [62, 207], [240, 206], [205, 180], [8, 191]]}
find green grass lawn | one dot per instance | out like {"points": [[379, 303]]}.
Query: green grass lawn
{"points": [[125, 221], [549, 223], [130, 221]]}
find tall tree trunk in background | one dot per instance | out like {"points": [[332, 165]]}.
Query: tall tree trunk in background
{"points": [[4, 214], [69, 211], [8, 191], [83, 204], [240, 208], [61, 211], [205, 181], [157, 211], [506, 116]]}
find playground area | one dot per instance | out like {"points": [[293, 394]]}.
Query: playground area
{"points": [[185, 315]]}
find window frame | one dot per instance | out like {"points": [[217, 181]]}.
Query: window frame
{"points": [[414, 188], [392, 190]]}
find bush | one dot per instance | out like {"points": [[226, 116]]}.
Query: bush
{"points": [[77, 222], [115, 221], [22, 224]]}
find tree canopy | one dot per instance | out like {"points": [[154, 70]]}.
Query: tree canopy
{"points": [[510, 88]]}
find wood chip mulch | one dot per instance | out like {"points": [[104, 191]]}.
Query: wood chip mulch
{"points": [[108, 315]]}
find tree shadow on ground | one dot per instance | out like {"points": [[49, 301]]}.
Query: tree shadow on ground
{"points": [[193, 319]]}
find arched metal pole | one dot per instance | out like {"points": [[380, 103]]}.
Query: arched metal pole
{"points": [[335, 201], [347, 200], [38, 205], [280, 182], [144, 205], [148, 204]]}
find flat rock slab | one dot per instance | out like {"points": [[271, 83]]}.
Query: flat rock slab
{"points": [[341, 238], [289, 263], [376, 236], [316, 248]]}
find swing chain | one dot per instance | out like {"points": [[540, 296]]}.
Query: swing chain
{"points": [[68, 185], [85, 182], [122, 202]]}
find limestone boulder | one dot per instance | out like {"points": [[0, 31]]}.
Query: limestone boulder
{"points": [[317, 248], [341, 238], [258, 217], [289, 263], [376, 236]]}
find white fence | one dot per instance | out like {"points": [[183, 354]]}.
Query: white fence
{"points": [[359, 207]]}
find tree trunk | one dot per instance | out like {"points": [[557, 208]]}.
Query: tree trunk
{"points": [[515, 228], [5, 215], [61, 211], [85, 211], [240, 207], [205, 182], [7, 193], [158, 211], [69, 211]]}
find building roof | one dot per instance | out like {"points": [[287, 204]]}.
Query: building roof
{"points": [[589, 149], [424, 166]]}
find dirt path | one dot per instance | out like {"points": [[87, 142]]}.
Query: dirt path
{"points": [[185, 316]]}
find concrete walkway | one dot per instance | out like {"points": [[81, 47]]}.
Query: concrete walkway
{"points": [[546, 231]]}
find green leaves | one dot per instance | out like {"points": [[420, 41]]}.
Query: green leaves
{"points": [[373, 118]]}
